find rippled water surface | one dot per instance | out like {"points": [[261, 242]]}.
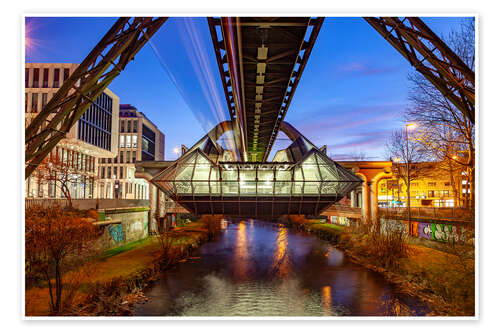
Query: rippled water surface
{"points": [[261, 269]]}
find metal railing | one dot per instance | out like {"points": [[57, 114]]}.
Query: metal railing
{"points": [[84, 204], [438, 213]]}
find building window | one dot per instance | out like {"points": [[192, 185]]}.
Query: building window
{"points": [[431, 194], [26, 102], [121, 172], [133, 156], [56, 78], [128, 156], [103, 171], [446, 193], [115, 172], [66, 74], [447, 184], [34, 103], [45, 82], [122, 126], [135, 126], [44, 100], [40, 189], [134, 141], [84, 162], [128, 145], [128, 126], [121, 156], [109, 172], [52, 189], [95, 123], [36, 77], [122, 141], [26, 77]]}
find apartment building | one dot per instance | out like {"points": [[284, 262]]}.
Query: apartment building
{"points": [[431, 188], [138, 140], [94, 136]]}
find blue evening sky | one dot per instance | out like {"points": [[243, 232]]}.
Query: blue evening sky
{"points": [[351, 96]]}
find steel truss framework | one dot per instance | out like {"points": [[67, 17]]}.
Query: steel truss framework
{"points": [[261, 60], [432, 58], [105, 62]]}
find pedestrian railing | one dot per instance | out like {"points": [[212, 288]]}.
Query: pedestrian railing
{"points": [[451, 213], [84, 204]]}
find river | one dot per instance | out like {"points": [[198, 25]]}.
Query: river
{"points": [[257, 268]]}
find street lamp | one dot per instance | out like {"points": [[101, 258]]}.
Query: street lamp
{"points": [[176, 150], [408, 127]]}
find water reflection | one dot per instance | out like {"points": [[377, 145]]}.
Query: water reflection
{"points": [[326, 292], [241, 252], [262, 269], [281, 264]]}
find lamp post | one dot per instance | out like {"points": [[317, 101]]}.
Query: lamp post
{"points": [[408, 200], [176, 150]]}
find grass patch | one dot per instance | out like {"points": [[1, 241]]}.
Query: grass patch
{"points": [[327, 226], [126, 247]]}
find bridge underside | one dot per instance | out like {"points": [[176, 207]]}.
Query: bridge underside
{"points": [[254, 206], [261, 60]]}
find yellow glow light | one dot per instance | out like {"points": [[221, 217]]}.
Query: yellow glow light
{"points": [[411, 126]]}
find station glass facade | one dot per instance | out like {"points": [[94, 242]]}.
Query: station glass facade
{"points": [[196, 175]]}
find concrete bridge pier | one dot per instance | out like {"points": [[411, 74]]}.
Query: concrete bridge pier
{"points": [[371, 172], [373, 185]]}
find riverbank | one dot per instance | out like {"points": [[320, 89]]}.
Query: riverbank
{"points": [[111, 283], [444, 281]]}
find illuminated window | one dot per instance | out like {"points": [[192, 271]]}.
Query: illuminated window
{"points": [[122, 141], [128, 145], [134, 141]]}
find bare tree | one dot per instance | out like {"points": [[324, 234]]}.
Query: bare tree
{"points": [[447, 133], [406, 158], [58, 173]]}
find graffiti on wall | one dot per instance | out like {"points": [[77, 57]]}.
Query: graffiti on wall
{"points": [[116, 232], [443, 232], [425, 230]]}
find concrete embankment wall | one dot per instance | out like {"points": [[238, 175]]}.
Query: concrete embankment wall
{"points": [[124, 225]]}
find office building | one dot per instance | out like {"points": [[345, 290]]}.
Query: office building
{"points": [[94, 136], [138, 140]]}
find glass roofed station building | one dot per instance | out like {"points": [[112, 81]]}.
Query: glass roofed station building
{"points": [[207, 179]]}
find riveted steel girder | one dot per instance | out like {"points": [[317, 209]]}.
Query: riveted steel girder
{"points": [[261, 60], [432, 58]]}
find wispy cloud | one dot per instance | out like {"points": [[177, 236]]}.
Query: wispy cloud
{"points": [[348, 128], [363, 69]]}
